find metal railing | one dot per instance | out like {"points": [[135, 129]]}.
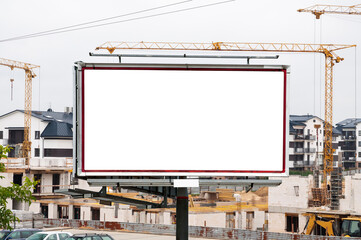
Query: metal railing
{"points": [[194, 231], [310, 137], [65, 163], [299, 136], [48, 189], [350, 148], [349, 137], [310, 150], [299, 150]]}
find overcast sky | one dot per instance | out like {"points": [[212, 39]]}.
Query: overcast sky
{"points": [[235, 21]]}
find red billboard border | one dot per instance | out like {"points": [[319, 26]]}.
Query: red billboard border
{"points": [[188, 69]]}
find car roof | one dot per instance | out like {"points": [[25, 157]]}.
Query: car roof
{"points": [[52, 232], [89, 234], [21, 229], [27, 229]]}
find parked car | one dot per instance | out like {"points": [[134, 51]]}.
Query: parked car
{"points": [[91, 236], [20, 234], [50, 236]]}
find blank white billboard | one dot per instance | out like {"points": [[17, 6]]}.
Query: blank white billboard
{"points": [[169, 122]]}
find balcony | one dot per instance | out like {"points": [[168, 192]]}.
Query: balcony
{"points": [[39, 163], [298, 150], [310, 137], [348, 148], [310, 150], [349, 138], [47, 190], [299, 137], [12, 142], [352, 159]]}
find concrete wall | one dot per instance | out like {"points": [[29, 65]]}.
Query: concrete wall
{"points": [[208, 219], [285, 195], [283, 200], [35, 207], [351, 202], [85, 212], [55, 143], [259, 220], [276, 222]]}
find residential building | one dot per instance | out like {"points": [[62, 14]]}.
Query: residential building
{"points": [[306, 136], [51, 153], [305, 141], [350, 142]]}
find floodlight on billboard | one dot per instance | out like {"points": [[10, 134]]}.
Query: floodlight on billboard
{"points": [[180, 120]]}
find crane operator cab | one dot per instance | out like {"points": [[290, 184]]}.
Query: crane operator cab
{"points": [[351, 227]]}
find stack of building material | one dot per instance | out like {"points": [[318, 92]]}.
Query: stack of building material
{"points": [[225, 195], [319, 197], [27, 219]]}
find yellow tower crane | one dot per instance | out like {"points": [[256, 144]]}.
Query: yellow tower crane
{"points": [[320, 9], [327, 49], [29, 75]]}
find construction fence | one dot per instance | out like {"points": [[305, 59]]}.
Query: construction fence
{"points": [[194, 231]]}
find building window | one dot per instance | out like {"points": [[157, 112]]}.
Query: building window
{"points": [[1, 135], [18, 179], [44, 210], [37, 152], [359, 154], [359, 133], [297, 190], [63, 212], [359, 143], [76, 213], [37, 134], [95, 213], [291, 223], [56, 152]]}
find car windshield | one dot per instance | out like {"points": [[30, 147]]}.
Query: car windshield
{"points": [[3, 235], [37, 236]]}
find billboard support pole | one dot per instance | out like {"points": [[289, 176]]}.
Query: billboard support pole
{"points": [[182, 214]]}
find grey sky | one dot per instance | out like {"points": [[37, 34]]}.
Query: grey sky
{"points": [[238, 21]]}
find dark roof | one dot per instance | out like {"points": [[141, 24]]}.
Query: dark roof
{"points": [[57, 129], [292, 130], [349, 123], [59, 126], [301, 118], [336, 131], [48, 115]]}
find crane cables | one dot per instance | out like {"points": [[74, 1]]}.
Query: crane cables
{"points": [[82, 26]]}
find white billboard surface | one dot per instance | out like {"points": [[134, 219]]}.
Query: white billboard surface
{"points": [[182, 122]]}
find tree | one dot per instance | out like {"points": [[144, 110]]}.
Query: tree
{"points": [[20, 193]]}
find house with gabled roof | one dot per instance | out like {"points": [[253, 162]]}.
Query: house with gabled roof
{"points": [[51, 133], [51, 137]]}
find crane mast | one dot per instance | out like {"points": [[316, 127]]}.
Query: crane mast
{"points": [[29, 75], [327, 49]]}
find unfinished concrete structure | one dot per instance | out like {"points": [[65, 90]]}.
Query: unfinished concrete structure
{"points": [[288, 202]]}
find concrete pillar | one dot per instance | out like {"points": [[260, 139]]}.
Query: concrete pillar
{"points": [[143, 217], [35, 207], [182, 214], [53, 211], [85, 212], [41, 150], [71, 211]]}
